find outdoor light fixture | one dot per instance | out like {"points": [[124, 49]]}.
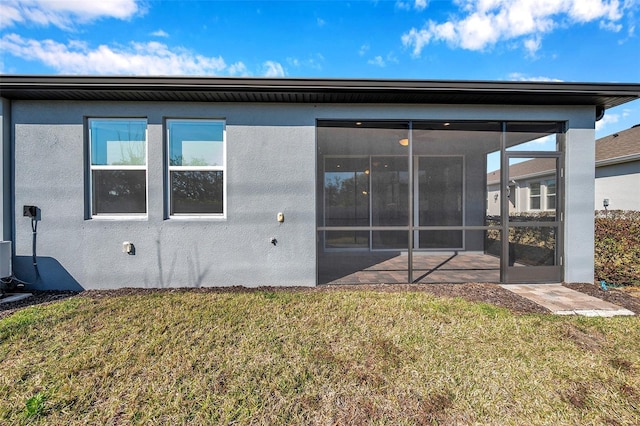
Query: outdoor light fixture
{"points": [[404, 142]]}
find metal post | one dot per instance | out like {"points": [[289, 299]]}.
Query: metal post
{"points": [[410, 191], [504, 204]]}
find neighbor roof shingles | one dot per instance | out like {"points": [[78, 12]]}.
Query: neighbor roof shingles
{"points": [[618, 145]]}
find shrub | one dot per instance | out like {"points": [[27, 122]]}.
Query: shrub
{"points": [[617, 247]]}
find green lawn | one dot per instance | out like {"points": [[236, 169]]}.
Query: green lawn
{"points": [[316, 357]]}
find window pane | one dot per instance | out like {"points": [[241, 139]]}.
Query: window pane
{"points": [[119, 191], [551, 187], [390, 191], [197, 192], [535, 189], [535, 203], [196, 143], [118, 142], [346, 191]]}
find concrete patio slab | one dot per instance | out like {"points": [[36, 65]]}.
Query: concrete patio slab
{"points": [[564, 301]]}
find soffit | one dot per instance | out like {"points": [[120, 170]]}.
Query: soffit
{"points": [[288, 90]]}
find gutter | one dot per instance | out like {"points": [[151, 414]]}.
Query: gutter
{"points": [[618, 160]]}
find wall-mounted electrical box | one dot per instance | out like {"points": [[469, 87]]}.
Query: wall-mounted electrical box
{"points": [[5, 259], [30, 211]]}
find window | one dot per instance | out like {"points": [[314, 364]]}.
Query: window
{"points": [[534, 196], [118, 169], [197, 163], [551, 194]]}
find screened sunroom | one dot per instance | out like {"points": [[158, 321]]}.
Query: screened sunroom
{"points": [[407, 201]]}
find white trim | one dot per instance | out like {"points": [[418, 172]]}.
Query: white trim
{"points": [[215, 217], [112, 167], [124, 217]]}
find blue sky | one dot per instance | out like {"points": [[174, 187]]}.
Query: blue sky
{"points": [[543, 40]]}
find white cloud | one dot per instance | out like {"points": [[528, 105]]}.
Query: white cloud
{"points": [[160, 33], [606, 120], [151, 58], [321, 22], [421, 4], [363, 49], [377, 61], [381, 61], [238, 69], [484, 23], [314, 62], [610, 26], [65, 13], [532, 45], [273, 69], [416, 4], [516, 76]]}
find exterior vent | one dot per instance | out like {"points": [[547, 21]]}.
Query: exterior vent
{"points": [[5, 259]]}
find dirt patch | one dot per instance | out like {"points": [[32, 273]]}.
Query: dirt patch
{"points": [[577, 395], [621, 298], [591, 341], [475, 292]]}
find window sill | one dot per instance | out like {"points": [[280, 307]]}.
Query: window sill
{"points": [[188, 217], [119, 218]]}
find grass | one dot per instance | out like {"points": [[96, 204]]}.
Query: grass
{"points": [[318, 357]]}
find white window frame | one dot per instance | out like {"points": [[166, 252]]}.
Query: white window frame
{"points": [[170, 168], [92, 167]]}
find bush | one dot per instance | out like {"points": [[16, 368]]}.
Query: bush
{"points": [[617, 247]]}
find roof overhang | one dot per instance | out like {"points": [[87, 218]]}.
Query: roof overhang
{"points": [[307, 90]]}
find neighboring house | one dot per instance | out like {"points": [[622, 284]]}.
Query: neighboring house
{"points": [[618, 170], [205, 181], [533, 183]]}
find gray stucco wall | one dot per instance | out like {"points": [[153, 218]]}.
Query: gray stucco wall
{"points": [[620, 184], [579, 201], [270, 169], [271, 161]]}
